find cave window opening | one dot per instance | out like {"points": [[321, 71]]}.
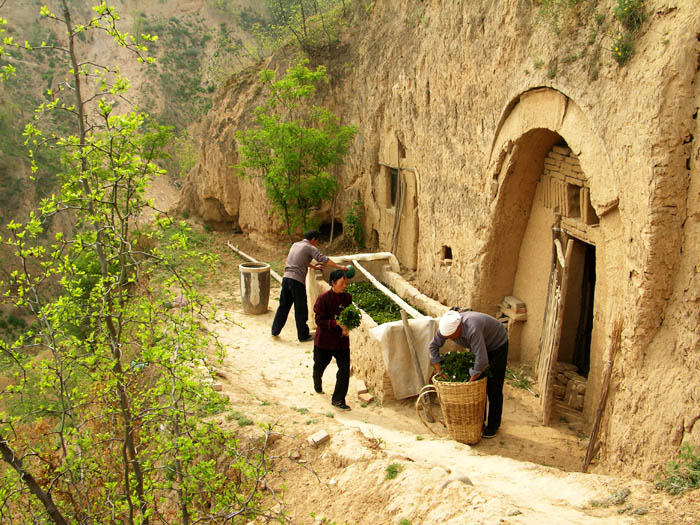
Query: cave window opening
{"points": [[446, 255], [393, 186]]}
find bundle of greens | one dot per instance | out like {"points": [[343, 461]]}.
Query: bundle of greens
{"points": [[350, 317], [455, 367]]}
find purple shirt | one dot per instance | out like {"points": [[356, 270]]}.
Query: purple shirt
{"points": [[481, 333], [300, 255], [328, 306]]}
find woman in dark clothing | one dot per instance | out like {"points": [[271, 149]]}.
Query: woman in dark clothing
{"points": [[331, 339]]}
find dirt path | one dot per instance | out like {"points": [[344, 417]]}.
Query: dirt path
{"points": [[509, 479]]}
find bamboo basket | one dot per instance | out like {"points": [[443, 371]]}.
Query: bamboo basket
{"points": [[462, 406]]}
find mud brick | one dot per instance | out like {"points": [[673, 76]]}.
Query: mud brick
{"points": [[551, 163], [319, 437], [562, 150], [556, 156], [559, 391], [361, 387]]}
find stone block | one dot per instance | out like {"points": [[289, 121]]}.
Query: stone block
{"points": [[559, 391], [319, 437], [217, 387], [366, 397]]}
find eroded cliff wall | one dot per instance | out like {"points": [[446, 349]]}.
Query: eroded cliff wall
{"points": [[463, 101]]}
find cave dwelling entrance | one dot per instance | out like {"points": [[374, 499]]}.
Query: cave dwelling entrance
{"points": [[546, 262]]}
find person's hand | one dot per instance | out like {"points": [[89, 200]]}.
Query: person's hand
{"points": [[437, 368], [345, 331], [316, 266], [475, 377], [344, 268]]}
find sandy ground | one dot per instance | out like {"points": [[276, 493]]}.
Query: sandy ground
{"points": [[528, 474]]}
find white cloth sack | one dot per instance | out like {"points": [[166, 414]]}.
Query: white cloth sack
{"points": [[406, 381]]}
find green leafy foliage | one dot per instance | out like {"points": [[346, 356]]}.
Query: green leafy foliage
{"points": [[455, 366], [682, 473], [623, 48], [353, 224], [293, 145], [630, 13], [374, 302], [350, 317], [180, 78], [104, 412]]}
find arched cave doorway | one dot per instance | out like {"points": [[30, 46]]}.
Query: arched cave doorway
{"points": [[544, 202]]}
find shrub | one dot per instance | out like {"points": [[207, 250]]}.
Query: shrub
{"points": [[353, 223], [630, 13], [622, 48], [682, 473], [393, 470]]}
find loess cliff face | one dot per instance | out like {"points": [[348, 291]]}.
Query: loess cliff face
{"points": [[494, 126]]}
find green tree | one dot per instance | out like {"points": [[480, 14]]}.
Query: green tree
{"points": [[294, 145], [103, 416]]}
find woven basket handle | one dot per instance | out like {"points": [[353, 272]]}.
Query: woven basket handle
{"points": [[427, 389]]}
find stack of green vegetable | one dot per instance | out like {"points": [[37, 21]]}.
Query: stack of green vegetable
{"points": [[455, 367], [373, 301], [350, 317]]}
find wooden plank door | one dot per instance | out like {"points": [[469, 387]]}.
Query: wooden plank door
{"points": [[552, 324]]}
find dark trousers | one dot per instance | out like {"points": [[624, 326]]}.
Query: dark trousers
{"points": [[293, 293], [498, 360], [322, 357]]}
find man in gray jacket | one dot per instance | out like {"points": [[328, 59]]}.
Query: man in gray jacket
{"points": [[487, 338], [294, 284]]}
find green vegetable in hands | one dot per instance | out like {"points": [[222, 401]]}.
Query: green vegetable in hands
{"points": [[350, 317]]}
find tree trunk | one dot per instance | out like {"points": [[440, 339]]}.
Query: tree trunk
{"points": [[16, 463]]}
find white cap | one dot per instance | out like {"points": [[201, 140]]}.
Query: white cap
{"points": [[449, 323]]}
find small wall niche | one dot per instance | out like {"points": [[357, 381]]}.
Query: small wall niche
{"points": [[446, 255]]}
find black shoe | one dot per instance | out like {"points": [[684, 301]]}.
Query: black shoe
{"points": [[341, 405], [488, 433], [307, 338], [318, 389]]}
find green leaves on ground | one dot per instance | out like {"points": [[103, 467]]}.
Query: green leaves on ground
{"points": [[682, 473], [393, 470], [294, 145]]}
